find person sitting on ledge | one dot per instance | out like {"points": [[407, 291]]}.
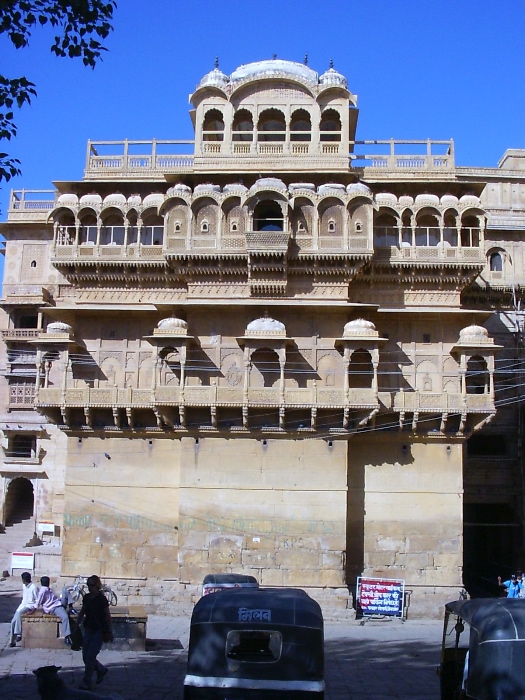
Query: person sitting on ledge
{"points": [[28, 604], [51, 605]]}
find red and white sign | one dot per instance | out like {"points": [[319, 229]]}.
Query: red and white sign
{"points": [[22, 560]]}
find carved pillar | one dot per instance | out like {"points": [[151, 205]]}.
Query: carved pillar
{"points": [[346, 380], [315, 230]]}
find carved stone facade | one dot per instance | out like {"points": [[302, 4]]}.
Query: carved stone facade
{"points": [[281, 355]]}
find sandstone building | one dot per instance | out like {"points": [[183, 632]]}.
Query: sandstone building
{"points": [[274, 350]]}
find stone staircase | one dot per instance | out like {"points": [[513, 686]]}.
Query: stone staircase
{"points": [[14, 539]]}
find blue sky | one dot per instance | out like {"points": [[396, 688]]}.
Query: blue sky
{"points": [[450, 69]]}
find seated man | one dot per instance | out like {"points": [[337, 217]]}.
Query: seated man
{"points": [[28, 604], [51, 605]]}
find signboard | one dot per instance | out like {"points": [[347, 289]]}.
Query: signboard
{"points": [[380, 596], [22, 560], [46, 527]]}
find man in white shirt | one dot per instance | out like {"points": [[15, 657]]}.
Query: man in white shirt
{"points": [[52, 605], [28, 604]]}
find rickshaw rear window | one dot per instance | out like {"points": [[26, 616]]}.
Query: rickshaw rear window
{"points": [[254, 646]]}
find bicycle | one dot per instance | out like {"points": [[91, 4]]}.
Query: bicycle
{"points": [[71, 594]]}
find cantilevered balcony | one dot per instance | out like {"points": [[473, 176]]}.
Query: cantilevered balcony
{"points": [[428, 244]]}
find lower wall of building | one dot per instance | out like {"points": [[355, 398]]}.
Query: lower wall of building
{"points": [[156, 515]]}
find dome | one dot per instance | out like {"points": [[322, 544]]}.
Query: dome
{"points": [[67, 199], [172, 325], [179, 188], [59, 327], [265, 326], [269, 182], [275, 68], [449, 200], [301, 186], [331, 187], [359, 188], [134, 200], [406, 200], [153, 200], [90, 199], [386, 197], [469, 199], [474, 334], [360, 327], [115, 200], [427, 199], [206, 187], [234, 188], [333, 77], [215, 78]]}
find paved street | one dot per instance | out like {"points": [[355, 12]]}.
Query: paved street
{"points": [[380, 660]]}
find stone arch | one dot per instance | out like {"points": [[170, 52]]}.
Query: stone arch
{"points": [[300, 123], [19, 501], [205, 214], [265, 370], [330, 125], [242, 127], [329, 370], [112, 371], [360, 370], [170, 366], [271, 125], [213, 125], [477, 375], [331, 218]]}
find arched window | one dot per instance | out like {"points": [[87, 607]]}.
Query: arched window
{"points": [[360, 370], [496, 262], [268, 216], [242, 126], [272, 125], [213, 126], [386, 232], [470, 234], [33, 263], [112, 231], [204, 227], [152, 231], [300, 126], [450, 231], [477, 377], [330, 126], [88, 230], [427, 231]]}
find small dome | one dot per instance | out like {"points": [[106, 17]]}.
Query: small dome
{"points": [[386, 197], [179, 188], [153, 200], [449, 200], [360, 327], [275, 67], [406, 200], [474, 334], [359, 188], [333, 77], [206, 187], [469, 199], [234, 188], [90, 199], [331, 187], [134, 200], [270, 182], [301, 186], [115, 200], [427, 199], [215, 78], [67, 199], [173, 325], [59, 327], [265, 326]]}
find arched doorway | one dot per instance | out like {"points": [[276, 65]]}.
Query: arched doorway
{"points": [[268, 216], [19, 501]]}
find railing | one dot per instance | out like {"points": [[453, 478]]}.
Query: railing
{"points": [[32, 200], [435, 155], [20, 333], [127, 162]]}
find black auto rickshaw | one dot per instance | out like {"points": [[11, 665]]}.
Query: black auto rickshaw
{"points": [[256, 644], [483, 651], [215, 583]]}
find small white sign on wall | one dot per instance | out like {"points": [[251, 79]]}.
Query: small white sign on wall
{"points": [[22, 560], [46, 527]]}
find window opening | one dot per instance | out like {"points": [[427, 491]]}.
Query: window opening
{"points": [[330, 126], [268, 217], [213, 126]]}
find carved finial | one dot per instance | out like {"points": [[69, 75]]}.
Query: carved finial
{"points": [[306, 59], [331, 63], [274, 56], [216, 63]]}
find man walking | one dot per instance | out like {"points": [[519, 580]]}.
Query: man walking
{"points": [[28, 604]]}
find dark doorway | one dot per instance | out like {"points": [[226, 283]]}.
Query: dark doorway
{"points": [[19, 501]]}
